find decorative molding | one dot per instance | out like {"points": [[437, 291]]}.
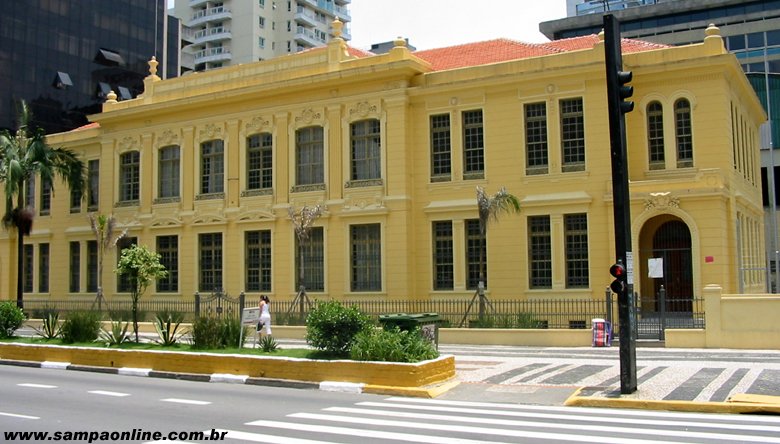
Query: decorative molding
{"points": [[255, 215], [261, 192], [363, 109], [210, 131], [129, 144], [168, 137], [305, 188], [162, 222], [364, 203], [308, 116], [662, 201], [363, 183], [126, 203], [210, 196], [166, 200], [256, 124]]}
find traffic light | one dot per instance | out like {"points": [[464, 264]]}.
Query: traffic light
{"points": [[618, 271], [625, 91]]}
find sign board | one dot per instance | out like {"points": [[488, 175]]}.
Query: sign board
{"points": [[250, 316], [630, 267], [655, 267]]}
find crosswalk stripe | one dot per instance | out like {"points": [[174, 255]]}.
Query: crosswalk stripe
{"points": [[16, 415], [186, 401], [574, 416], [107, 393], [269, 439], [364, 433], [471, 429], [595, 412]]}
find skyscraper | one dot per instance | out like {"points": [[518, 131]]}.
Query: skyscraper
{"points": [[64, 57], [231, 32]]}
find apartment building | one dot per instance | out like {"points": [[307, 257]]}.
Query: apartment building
{"points": [[204, 169], [232, 32]]}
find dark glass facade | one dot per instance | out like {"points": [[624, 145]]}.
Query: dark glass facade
{"points": [[62, 57]]}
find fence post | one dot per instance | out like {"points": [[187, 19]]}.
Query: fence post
{"points": [[197, 305], [608, 317], [241, 298], [662, 313]]}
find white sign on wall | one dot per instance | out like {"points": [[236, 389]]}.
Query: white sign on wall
{"points": [[655, 267]]}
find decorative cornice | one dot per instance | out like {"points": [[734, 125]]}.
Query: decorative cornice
{"points": [[363, 183], [256, 124], [363, 109], [210, 131], [305, 188], [308, 116], [168, 137], [261, 192], [129, 144], [210, 196]]}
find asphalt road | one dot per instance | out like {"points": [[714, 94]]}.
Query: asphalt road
{"points": [[60, 401]]}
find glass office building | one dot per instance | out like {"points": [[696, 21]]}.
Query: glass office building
{"points": [[63, 57]]}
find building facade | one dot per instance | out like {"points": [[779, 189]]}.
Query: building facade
{"points": [[751, 30], [204, 169], [63, 59], [231, 32]]}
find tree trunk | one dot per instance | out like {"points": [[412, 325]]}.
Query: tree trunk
{"points": [[19, 268]]}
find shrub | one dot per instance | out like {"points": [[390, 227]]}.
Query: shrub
{"points": [[268, 344], [331, 327], [51, 327], [167, 324], [392, 346], [117, 335], [11, 318], [81, 326], [214, 333]]}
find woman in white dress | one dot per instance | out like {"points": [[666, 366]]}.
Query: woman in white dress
{"points": [[265, 316]]}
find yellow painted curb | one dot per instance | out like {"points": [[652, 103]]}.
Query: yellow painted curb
{"points": [[412, 392], [676, 406], [390, 374], [755, 399]]}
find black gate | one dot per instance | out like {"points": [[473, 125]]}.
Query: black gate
{"points": [[219, 304]]}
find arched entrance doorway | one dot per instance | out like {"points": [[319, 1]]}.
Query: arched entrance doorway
{"points": [[669, 239]]}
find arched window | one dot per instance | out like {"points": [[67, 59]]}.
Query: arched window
{"points": [[683, 132], [655, 135]]}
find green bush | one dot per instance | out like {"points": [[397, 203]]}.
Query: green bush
{"points": [[214, 333], [392, 346], [11, 318], [81, 326], [332, 328], [268, 344], [117, 335]]}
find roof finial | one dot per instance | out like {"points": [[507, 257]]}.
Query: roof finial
{"points": [[338, 28], [153, 69], [111, 97]]}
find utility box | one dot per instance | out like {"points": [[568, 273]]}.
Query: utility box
{"points": [[427, 322]]}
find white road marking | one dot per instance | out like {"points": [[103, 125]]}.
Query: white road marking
{"points": [[16, 415], [186, 401], [41, 386], [107, 393]]}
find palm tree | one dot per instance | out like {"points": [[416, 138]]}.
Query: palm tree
{"points": [[104, 228], [489, 208], [23, 155]]}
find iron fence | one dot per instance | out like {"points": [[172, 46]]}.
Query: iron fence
{"points": [[653, 316]]}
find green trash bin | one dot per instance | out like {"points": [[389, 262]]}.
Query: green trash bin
{"points": [[427, 322]]}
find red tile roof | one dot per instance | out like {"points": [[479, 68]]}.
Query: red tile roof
{"points": [[87, 126]]}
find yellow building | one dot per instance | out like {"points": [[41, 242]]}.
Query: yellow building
{"points": [[203, 169]]}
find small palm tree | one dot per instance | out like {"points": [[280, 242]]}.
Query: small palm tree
{"points": [[23, 155], [106, 235], [489, 208]]}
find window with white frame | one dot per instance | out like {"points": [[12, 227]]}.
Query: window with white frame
{"points": [[443, 256], [683, 130], [473, 145], [259, 162], [258, 260], [536, 153], [572, 134], [655, 135]]}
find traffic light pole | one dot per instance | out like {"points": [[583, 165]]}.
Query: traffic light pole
{"points": [[616, 92]]}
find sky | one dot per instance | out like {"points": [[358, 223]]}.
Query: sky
{"points": [[439, 23]]}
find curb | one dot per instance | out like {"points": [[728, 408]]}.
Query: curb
{"points": [[768, 404], [346, 387]]}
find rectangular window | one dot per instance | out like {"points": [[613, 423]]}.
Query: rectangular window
{"points": [[93, 187], [311, 260], [168, 249], [473, 145], [443, 256], [572, 135], [261, 22], [210, 246], [45, 197], [655, 136], [27, 269], [684, 133], [366, 245], [75, 267], [576, 232], [441, 148], [259, 166], [536, 154], [366, 150], [75, 202], [261, 42], [258, 260], [309, 156], [129, 176], [43, 268], [92, 266], [123, 281], [168, 182], [212, 167], [539, 252], [476, 255], [29, 192]]}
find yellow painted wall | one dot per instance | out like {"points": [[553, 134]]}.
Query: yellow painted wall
{"points": [[329, 88]]}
